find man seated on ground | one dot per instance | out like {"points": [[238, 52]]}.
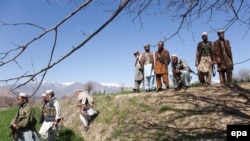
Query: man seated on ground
{"points": [[181, 73]]}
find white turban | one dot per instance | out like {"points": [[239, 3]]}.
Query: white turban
{"points": [[204, 33], [220, 31], [49, 92], [174, 55], [23, 94]]}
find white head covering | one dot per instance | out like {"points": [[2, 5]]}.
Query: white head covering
{"points": [[220, 31], [174, 55], [23, 94], [49, 92], [204, 33], [43, 95]]}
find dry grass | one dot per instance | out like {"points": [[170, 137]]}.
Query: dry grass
{"points": [[200, 113]]}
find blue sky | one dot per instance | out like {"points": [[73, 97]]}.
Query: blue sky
{"points": [[108, 57]]}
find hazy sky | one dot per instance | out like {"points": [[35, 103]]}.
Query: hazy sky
{"points": [[108, 57]]}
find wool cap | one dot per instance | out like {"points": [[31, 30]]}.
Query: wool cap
{"points": [[43, 95], [23, 94]]}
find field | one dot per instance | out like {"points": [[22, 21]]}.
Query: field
{"points": [[8, 114]]}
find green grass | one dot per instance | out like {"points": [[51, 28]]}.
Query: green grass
{"points": [[145, 107], [8, 114], [5, 119], [168, 108], [126, 92], [68, 135]]}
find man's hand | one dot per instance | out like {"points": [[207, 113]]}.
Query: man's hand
{"points": [[55, 123], [79, 105], [176, 71], [13, 132], [83, 112], [14, 126]]}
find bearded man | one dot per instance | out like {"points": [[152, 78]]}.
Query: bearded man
{"points": [[52, 118], [161, 66], [223, 57], [204, 60], [23, 125], [138, 72], [147, 60]]}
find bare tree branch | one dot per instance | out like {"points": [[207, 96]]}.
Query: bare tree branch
{"points": [[52, 64]]}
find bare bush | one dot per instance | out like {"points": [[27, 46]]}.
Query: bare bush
{"points": [[7, 101], [243, 75], [89, 87]]}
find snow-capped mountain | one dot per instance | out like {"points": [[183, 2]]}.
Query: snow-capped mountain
{"points": [[115, 85], [67, 89], [111, 84]]}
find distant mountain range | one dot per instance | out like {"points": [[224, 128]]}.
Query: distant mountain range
{"points": [[66, 89]]}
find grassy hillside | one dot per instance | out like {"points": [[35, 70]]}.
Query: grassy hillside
{"points": [[199, 113]]}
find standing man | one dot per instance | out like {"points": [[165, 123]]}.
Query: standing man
{"points": [[223, 58], [138, 72], [44, 104], [181, 72], [86, 104], [50, 129], [23, 125], [204, 60], [161, 66], [147, 60]]}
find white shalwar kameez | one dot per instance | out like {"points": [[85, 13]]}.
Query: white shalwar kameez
{"points": [[149, 77]]}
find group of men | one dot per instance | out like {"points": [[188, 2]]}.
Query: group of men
{"points": [[150, 66], [208, 54], [23, 125]]}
